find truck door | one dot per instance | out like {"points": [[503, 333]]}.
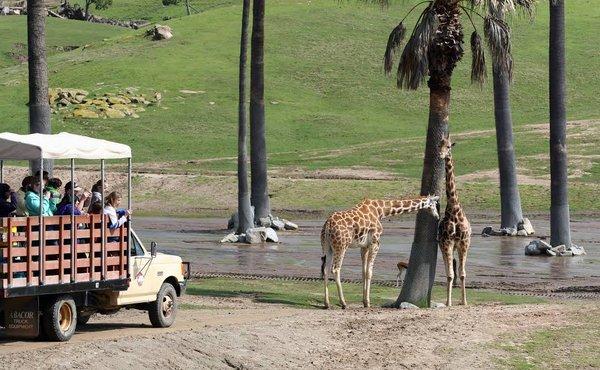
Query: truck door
{"points": [[143, 286]]}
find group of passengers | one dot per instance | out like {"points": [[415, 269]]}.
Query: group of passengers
{"points": [[26, 201]]}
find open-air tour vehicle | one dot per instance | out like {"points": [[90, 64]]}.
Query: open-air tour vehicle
{"points": [[59, 270]]}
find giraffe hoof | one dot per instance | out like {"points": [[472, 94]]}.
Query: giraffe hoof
{"points": [[344, 306], [326, 306]]}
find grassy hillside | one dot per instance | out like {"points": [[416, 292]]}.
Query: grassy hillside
{"points": [[328, 103]]}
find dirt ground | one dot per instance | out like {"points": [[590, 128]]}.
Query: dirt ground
{"points": [[239, 333]]}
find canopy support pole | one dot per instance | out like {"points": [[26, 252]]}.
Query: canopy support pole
{"points": [[129, 202], [1, 171], [41, 233], [74, 226], [103, 229]]}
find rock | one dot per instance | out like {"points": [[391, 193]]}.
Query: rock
{"points": [[84, 113], [521, 232], [5, 10], [487, 231], [264, 221], [117, 100], [253, 236], [233, 221], [407, 306], [577, 250], [231, 238], [550, 252], [560, 249], [526, 225], [533, 249], [159, 32], [63, 102], [509, 231], [567, 253], [437, 305], [270, 235], [543, 245], [114, 113], [290, 225], [278, 225]]}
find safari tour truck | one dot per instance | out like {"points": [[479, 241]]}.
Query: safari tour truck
{"points": [[57, 271]]}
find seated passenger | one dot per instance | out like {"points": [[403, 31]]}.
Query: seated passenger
{"points": [[33, 201], [20, 196], [95, 208], [117, 216], [44, 176], [65, 207], [7, 205], [97, 189], [53, 187]]}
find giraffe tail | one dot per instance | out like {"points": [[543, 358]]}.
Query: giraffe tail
{"points": [[323, 264]]}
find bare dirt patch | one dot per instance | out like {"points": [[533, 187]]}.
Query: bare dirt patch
{"points": [[243, 334]]}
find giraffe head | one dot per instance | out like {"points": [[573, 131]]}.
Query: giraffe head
{"points": [[431, 202], [446, 148]]}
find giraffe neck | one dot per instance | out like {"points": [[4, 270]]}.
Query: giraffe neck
{"points": [[451, 195], [396, 207]]}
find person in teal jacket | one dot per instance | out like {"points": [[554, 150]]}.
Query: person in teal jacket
{"points": [[32, 201]]}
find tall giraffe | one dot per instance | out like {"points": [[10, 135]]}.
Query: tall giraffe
{"points": [[454, 230], [360, 227]]}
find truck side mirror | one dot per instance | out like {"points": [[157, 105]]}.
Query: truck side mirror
{"points": [[153, 249]]}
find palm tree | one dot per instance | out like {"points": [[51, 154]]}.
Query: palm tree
{"points": [[245, 216], [258, 146], [560, 232], [39, 107], [433, 49]]}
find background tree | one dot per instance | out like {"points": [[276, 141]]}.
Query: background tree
{"points": [[39, 107], [98, 4], [245, 216], [510, 199], [560, 232], [258, 151], [433, 49]]}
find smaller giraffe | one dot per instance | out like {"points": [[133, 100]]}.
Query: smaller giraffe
{"points": [[454, 229], [360, 227]]}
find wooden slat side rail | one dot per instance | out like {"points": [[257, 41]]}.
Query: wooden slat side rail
{"points": [[88, 259]]}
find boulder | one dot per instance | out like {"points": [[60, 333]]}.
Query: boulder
{"points": [[4, 10], [232, 238], [290, 225], [550, 252], [526, 225], [543, 245], [487, 231], [509, 231], [261, 234], [264, 221], [577, 250], [533, 249], [270, 235], [521, 232], [84, 113], [407, 306], [159, 32], [278, 225], [114, 113], [560, 249], [253, 236]]}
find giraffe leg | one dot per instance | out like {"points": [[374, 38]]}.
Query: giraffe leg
{"points": [[325, 268], [447, 248], [374, 248], [338, 257], [463, 248], [364, 253]]}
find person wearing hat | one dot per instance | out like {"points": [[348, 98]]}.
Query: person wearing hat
{"points": [[20, 196], [65, 207], [7, 205]]}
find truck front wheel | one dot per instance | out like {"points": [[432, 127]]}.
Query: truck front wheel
{"points": [[60, 318], [162, 312]]}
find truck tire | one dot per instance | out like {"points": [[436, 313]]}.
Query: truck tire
{"points": [[59, 318], [162, 312]]}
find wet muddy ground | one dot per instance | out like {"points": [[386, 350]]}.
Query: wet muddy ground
{"points": [[494, 262]]}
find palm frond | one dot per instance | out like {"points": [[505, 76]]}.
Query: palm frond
{"points": [[527, 7], [414, 62], [478, 70], [393, 44], [497, 34]]}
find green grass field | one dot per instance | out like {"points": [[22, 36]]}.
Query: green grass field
{"points": [[328, 103], [310, 294]]}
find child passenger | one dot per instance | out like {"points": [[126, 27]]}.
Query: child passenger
{"points": [[117, 216]]}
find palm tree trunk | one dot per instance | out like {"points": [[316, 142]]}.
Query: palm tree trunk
{"points": [[245, 216], [423, 255], [39, 108], [510, 200], [258, 153], [189, 12], [560, 232]]}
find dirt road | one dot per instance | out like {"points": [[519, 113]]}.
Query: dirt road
{"points": [[238, 333]]}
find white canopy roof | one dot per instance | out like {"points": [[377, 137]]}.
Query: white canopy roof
{"points": [[59, 146]]}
